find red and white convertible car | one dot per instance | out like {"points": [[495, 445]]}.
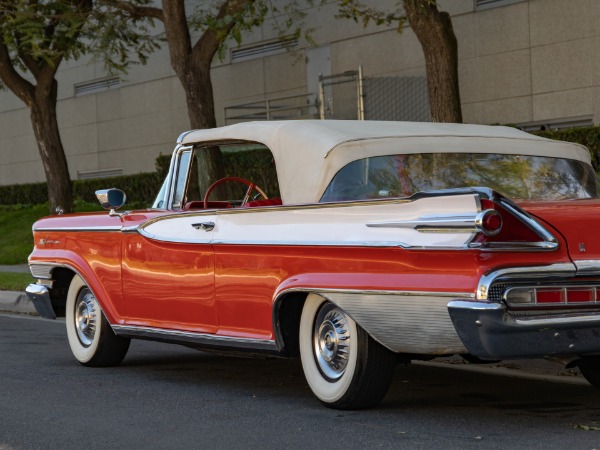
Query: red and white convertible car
{"points": [[380, 242]]}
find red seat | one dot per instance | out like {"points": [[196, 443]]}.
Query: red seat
{"points": [[199, 204], [266, 202]]}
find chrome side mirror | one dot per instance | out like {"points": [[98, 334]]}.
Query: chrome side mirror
{"points": [[111, 199]]}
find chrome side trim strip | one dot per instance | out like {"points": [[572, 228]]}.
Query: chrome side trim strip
{"points": [[515, 246], [199, 339], [316, 290], [318, 243], [562, 319], [170, 239], [442, 223], [91, 229], [588, 267], [265, 209], [550, 271]]}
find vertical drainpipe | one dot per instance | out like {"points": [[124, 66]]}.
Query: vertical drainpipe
{"points": [[268, 109], [321, 98], [360, 95]]}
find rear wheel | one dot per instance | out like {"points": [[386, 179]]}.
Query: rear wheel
{"points": [[344, 367], [92, 340], [590, 369]]}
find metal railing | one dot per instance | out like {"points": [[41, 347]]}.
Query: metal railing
{"points": [[301, 106], [347, 89]]}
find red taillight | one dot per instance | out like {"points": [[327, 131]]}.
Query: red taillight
{"points": [[492, 222], [549, 296], [489, 222], [580, 295], [500, 227]]}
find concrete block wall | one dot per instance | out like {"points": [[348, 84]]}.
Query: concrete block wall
{"points": [[524, 62]]}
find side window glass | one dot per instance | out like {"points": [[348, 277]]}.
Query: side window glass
{"points": [[243, 164], [183, 164]]}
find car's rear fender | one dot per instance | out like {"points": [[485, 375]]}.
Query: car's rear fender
{"points": [[415, 321]]}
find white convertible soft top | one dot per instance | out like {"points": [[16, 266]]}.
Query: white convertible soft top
{"points": [[308, 153]]}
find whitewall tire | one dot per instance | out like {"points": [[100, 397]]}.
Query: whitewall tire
{"points": [[92, 340], [344, 367]]}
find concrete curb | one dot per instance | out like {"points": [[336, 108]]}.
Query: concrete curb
{"points": [[15, 268], [17, 302]]}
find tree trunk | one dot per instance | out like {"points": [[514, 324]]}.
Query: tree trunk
{"points": [[45, 129], [192, 66], [201, 111], [436, 35]]}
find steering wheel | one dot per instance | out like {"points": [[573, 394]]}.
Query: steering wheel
{"points": [[250, 184]]}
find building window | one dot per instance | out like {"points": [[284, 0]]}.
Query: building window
{"points": [[488, 4], [263, 49], [99, 173], [94, 86]]}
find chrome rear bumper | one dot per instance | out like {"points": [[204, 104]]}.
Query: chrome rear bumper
{"points": [[489, 331]]}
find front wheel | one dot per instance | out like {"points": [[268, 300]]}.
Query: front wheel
{"points": [[344, 367], [92, 340]]}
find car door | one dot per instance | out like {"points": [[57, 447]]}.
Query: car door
{"points": [[168, 264], [168, 274]]}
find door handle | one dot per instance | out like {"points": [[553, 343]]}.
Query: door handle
{"points": [[206, 226]]}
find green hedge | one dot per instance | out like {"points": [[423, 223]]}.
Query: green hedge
{"points": [[588, 136], [24, 194], [142, 188], [248, 164], [251, 166]]}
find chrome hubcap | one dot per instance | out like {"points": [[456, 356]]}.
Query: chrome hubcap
{"points": [[86, 310], [331, 342]]}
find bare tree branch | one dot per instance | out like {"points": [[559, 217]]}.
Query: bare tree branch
{"points": [[211, 40], [15, 82], [137, 11]]}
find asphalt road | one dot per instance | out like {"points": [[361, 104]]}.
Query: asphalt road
{"points": [[165, 396]]}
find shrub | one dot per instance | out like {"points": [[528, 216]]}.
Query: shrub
{"points": [[588, 136], [142, 188]]}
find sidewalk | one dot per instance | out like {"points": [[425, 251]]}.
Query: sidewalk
{"points": [[12, 301], [17, 268], [16, 302]]}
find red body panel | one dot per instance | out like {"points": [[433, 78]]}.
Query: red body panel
{"points": [[229, 289], [168, 285], [577, 220]]}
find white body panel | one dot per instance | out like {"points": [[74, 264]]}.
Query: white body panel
{"points": [[332, 224]]}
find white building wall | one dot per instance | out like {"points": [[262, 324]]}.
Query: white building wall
{"points": [[522, 63]]}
